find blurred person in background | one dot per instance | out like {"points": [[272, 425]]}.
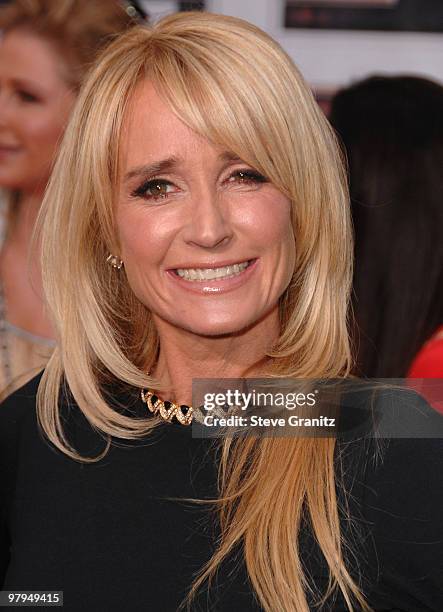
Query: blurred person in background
{"points": [[392, 130], [45, 50]]}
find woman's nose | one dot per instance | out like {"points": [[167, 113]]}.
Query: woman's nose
{"points": [[208, 222]]}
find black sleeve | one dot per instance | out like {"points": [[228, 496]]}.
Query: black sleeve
{"points": [[403, 503], [7, 461], [13, 411], [4, 550]]}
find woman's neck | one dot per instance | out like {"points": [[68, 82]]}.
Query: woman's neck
{"points": [[20, 269], [23, 219], [184, 355]]}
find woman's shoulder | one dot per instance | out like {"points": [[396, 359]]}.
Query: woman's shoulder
{"points": [[402, 505], [395, 473], [17, 412], [401, 500], [17, 418], [407, 438], [395, 493], [20, 404], [407, 467], [397, 465]]}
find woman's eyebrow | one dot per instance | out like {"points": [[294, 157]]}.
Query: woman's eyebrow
{"points": [[168, 164], [156, 167], [229, 156], [34, 86]]}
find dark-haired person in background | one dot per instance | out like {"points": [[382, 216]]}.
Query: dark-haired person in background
{"points": [[392, 130]]}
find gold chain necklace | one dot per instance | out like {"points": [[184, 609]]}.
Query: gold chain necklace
{"points": [[167, 410]]}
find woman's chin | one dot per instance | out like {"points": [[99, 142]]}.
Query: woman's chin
{"points": [[212, 327]]}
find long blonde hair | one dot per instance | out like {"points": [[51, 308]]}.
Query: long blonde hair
{"points": [[234, 85]]}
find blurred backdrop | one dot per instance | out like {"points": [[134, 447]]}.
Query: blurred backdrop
{"points": [[336, 42]]}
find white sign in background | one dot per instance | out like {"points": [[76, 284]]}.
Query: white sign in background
{"points": [[331, 58]]}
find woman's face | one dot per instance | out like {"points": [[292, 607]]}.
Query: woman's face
{"points": [[35, 104], [206, 241]]}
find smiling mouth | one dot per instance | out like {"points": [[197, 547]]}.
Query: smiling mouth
{"points": [[9, 148], [213, 274]]}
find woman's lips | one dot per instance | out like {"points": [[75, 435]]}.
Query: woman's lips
{"points": [[216, 285], [9, 149]]}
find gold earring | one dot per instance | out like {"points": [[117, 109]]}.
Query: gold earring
{"points": [[114, 261]]}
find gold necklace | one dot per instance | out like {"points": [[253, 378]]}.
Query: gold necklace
{"points": [[167, 410]]}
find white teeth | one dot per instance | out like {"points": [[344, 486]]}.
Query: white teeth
{"points": [[200, 274]]}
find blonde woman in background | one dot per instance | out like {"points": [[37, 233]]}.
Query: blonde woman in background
{"points": [[45, 50], [197, 225]]}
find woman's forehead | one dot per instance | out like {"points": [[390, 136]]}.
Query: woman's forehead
{"points": [[151, 130], [153, 134], [29, 58]]}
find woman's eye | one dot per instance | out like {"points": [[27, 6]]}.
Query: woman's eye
{"points": [[246, 177], [154, 190], [25, 96]]}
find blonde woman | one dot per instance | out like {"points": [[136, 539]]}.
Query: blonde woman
{"points": [[197, 225], [46, 48]]}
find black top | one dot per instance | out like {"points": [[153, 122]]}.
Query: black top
{"points": [[109, 537]]}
